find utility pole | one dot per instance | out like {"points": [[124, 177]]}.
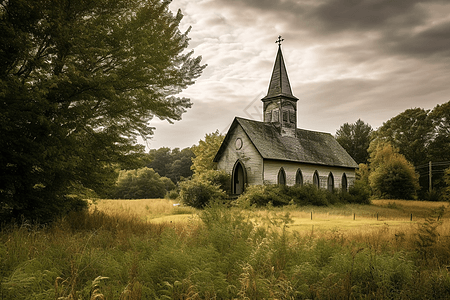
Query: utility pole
{"points": [[429, 176]]}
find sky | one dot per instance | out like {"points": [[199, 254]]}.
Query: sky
{"points": [[346, 60]]}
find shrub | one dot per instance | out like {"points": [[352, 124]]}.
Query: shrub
{"points": [[278, 195], [198, 193], [142, 183], [172, 195], [392, 176], [433, 195], [261, 195], [358, 193], [309, 194], [217, 177]]}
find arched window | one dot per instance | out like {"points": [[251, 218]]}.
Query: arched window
{"points": [[299, 177], [330, 185], [282, 177], [316, 180], [344, 184]]}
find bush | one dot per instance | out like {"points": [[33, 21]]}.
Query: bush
{"points": [[142, 183], [261, 195], [172, 195], [358, 193], [392, 176], [198, 193], [309, 194], [217, 177], [278, 195]]}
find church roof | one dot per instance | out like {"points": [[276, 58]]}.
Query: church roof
{"points": [[279, 82], [310, 147]]}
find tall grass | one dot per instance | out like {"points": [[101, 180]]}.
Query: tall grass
{"points": [[228, 254]]}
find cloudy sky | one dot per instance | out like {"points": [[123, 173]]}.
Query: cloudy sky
{"points": [[346, 59]]}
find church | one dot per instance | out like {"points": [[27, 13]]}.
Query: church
{"points": [[275, 151]]}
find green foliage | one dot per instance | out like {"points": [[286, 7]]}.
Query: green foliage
{"points": [[205, 152], [199, 193], [80, 81], [308, 194], [143, 183], [217, 177], [174, 164], [391, 176], [446, 190], [229, 255], [358, 193], [355, 139], [409, 132]]}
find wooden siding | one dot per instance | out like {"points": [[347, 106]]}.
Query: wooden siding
{"points": [[248, 155], [272, 167]]}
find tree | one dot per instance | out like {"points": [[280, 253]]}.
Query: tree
{"points": [[391, 175], [174, 164], [79, 82], [409, 132], [205, 152], [143, 183], [355, 139], [439, 147]]}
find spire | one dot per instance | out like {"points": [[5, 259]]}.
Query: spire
{"points": [[279, 83]]}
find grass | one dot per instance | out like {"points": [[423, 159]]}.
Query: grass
{"points": [[151, 249]]}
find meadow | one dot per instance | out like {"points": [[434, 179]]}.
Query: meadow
{"points": [[156, 249]]}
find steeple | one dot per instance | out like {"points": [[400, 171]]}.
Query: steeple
{"points": [[280, 105], [279, 83]]}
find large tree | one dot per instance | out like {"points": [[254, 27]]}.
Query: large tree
{"points": [[79, 82], [355, 139], [410, 132], [174, 164]]}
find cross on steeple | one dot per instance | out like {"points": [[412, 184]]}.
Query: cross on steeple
{"points": [[279, 40]]}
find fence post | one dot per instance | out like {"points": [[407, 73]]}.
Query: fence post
{"points": [[354, 216], [411, 218]]}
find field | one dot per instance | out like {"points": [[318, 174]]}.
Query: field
{"points": [[156, 249], [394, 213]]}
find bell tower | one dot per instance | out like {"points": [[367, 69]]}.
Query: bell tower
{"points": [[280, 105]]}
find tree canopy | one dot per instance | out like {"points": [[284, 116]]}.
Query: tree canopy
{"points": [[355, 139], [391, 175], [205, 152], [80, 81], [143, 183], [174, 164]]}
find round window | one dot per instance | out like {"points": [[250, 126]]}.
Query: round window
{"points": [[238, 144]]}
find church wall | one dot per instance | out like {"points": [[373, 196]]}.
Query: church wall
{"points": [[272, 167], [248, 155]]}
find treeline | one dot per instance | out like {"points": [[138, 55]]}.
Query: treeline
{"points": [[164, 172], [395, 159], [161, 169]]}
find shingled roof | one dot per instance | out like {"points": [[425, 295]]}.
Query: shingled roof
{"points": [[310, 147]]}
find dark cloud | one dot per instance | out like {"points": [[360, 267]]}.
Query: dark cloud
{"points": [[434, 41], [337, 15]]}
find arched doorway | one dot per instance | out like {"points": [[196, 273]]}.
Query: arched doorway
{"points": [[316, 180], [344, 184], [330, 182], [282, 177], [238, 178]]}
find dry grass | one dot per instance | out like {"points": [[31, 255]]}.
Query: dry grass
{"points": [[396, 214], [154, 210]]}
